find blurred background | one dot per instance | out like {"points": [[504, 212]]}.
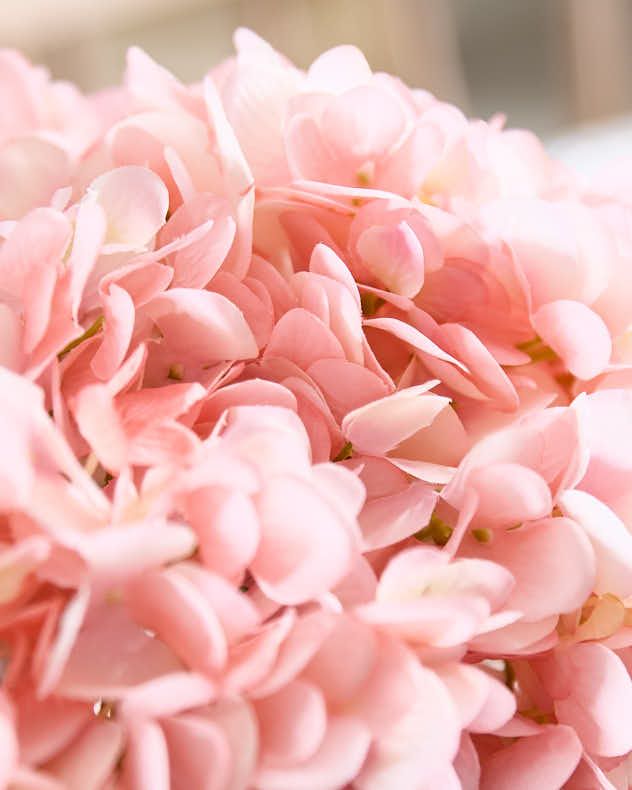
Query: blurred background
{"points": [[559, 67]]}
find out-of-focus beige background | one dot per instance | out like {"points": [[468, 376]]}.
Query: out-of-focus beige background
{"points": [[548, 64]]}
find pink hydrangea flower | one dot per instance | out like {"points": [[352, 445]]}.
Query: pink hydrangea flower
{"points": [[316, 416]]}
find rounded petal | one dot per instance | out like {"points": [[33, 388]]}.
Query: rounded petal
{"points": [[610, 539], [202, 326], [135, 201], [599, 706], [577, 334], [337, 762], [292, 723], [381, 425], [544, 761], [509, 494], [316, 542]]}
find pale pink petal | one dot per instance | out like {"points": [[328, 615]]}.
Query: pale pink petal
{"points": [[303, 338], [468, 687], [213, 512], [292, 723], [466, 764], [388, 519], [394, 256], [167, 695], [487, 374], [88, 762], [199, 753], [235, 611], [146, 761], [498, 709], [307, 155], [171, 606], [68, 626], [111, 655], [48, 726], [509, 494], [410, 748], [301, 643], [195, 265], [317, 544], [253, 301], [238, 180], [544, 761], [90, 230], [577, 334], [610, 539], [381, 425], [344, 661], [339, 69], [363, 123], [202, 326], [337, 762], [93, 409], [31, 170], [553, 548], [324, 261], [135, 202], [599, 705], [119, 314]]}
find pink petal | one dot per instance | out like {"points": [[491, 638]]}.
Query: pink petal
{"points": [[388, 519], [610, 539], [31, 169], [577, 334], [94, 409], [317, 544], [301, 643], [292, 723], [381, 425], [167, 695], [344, 660], [171, 606], [119, 314], [363, 122], [111, 655], [337, 762], [199, 752], [466, 764], [324, 261], [410, 748], [195, 265], [553, 548], [487, 374], [202, 326], [394, 256], [146, 762], [89, 761], [468, 687], [238, 180], [339, 69], [544, 761], [46, 727], [90, 229], [316, 342], [135, 202], [498, 709], [213, 513], [509, 494], [599, 706]]}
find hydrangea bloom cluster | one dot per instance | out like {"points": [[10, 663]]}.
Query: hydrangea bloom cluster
{"points": [[316, 418]]}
